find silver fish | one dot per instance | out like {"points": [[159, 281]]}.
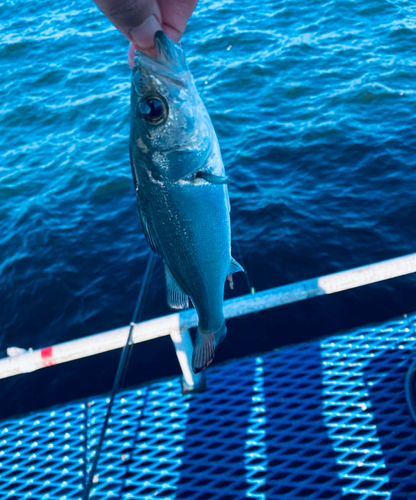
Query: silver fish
{"points": [[181, 189]]}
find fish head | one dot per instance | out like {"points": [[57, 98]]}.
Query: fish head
{"points": [[170, 127]]}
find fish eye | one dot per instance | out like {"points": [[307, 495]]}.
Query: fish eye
{"points": [[154, 109]]}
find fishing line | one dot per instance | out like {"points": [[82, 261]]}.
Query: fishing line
{"points": [[250, 287], [122, 367], [138, 313]]}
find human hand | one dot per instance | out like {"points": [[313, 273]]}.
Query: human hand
{"points": [[138, 20]]}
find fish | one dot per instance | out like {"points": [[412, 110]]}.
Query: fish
{"points": [[181, 190]]}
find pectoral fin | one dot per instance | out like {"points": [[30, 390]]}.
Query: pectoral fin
{"points": [[212, 178], [175, 296]]}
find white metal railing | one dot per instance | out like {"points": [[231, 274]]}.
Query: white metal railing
{"points": [[177, 325]]}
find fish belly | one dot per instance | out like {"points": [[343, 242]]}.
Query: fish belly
{"points": [[192, 225]]}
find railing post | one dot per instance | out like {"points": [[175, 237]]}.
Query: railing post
{"points": [[184, 348]]}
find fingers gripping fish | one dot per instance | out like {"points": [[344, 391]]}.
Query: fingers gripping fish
{"points": [[181, 190]]}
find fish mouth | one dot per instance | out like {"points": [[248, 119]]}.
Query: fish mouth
{"points": [[169, 52], [169, 62]]}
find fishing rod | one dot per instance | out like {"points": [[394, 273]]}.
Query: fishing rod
{"points": [[121, 372]]}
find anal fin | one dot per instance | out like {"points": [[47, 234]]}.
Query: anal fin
{"points": [[175, 296]]}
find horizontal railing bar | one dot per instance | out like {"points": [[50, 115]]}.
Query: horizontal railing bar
{"points": [[175, 323]]}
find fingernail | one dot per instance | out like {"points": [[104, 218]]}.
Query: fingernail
{"points": [[144, 34], [130, 55]]}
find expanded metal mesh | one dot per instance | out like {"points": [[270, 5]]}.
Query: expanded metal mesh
{"points": [[321, 420]]}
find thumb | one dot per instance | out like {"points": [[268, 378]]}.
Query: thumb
{"points": [[143, 35]]}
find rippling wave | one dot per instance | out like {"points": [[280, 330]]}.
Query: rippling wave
{"points": [[314, 105]]}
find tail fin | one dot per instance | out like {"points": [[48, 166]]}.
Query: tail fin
{"points": [[205, 344]]}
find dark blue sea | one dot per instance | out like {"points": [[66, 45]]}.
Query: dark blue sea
{"points": [[314, 105]]}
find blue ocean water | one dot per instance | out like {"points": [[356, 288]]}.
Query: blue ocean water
{"points": [[314, 106]]}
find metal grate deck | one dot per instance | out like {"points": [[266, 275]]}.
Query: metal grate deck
{"points": [[322, 420]]}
